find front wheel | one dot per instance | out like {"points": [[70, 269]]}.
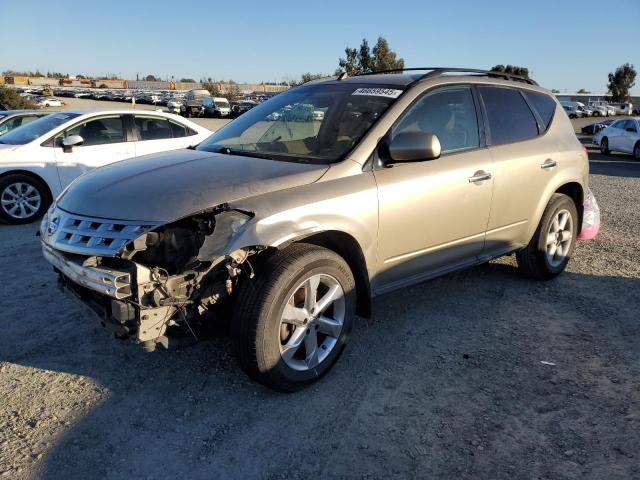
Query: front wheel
{"points": [[292, 321], [604, 146], [22, 199], [636, 151], [548, 253]]}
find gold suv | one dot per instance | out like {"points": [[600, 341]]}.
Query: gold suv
{"points": [[288, 220]]}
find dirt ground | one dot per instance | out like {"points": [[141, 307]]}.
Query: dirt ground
{"points": [[478, 374]]}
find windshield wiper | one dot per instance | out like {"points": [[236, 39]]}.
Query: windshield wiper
{"points": [[247, 153]]}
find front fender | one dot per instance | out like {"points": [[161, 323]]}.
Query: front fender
{"points": [[348, 205]]}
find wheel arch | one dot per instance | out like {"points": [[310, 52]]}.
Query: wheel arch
{"points": [[31, 174], [574, 191], [349, 249]]}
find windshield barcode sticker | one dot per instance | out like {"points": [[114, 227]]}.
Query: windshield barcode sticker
{"points": [[378, 92]]}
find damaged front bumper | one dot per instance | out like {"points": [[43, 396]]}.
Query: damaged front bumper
{"points": [[153, 279], [116, 296], [102, 280]]}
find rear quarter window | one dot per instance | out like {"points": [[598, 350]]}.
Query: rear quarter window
{"points": [[509, 115], [544, 105], [180, 130]]}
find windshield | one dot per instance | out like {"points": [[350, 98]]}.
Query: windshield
{"points": [[311, 124], [220, 104], [37, 128]]}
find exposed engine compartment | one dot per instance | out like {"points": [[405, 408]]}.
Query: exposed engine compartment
{"points": [[180, 276]]}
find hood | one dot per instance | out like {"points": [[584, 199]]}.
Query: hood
{"points": [[170, 185]]}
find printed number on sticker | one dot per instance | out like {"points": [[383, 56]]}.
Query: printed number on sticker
{"points": [[378, 92]]}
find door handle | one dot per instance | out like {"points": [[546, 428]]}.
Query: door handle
{"points": [[549, 164], [480, 177]]}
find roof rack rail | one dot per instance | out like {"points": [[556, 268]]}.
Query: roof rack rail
{"points": [[439, 71]]}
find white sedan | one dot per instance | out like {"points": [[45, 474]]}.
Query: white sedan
{"points": [[38, 160], [49, 102], [621, 136]]}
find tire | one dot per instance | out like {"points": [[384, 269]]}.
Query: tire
{"points": [[604, 146], [636, 151], [30, 194], [535, 261], [265, 343], [596, 114]]}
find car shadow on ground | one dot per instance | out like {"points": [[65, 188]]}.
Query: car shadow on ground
{"points": [[443, 368]]}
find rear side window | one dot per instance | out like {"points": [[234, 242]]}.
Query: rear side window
{"points": [[180, 130], [510, 118], [544, 105], [152, 128]]}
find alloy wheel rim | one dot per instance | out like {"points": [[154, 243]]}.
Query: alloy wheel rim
{"points": [[559, 238], [311, 322], [20, 200]]}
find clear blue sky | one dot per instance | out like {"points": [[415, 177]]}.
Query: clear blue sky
{"points": [[566, 44]]}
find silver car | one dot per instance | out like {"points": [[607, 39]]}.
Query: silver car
{"points": [[287, 227]]}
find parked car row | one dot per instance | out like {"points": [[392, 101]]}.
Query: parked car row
{"points": [[598, 109]]}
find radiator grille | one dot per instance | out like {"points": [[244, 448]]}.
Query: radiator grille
{"points": [[91, 236]]}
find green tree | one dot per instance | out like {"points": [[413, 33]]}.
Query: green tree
{"points": [[11, 100], [187, 80], [151, 78], [233, 93], [555, 90], [582, 90], [384, 58], [366, 60], [213, 88], [308, 77], [512, 69], [621, 81]]}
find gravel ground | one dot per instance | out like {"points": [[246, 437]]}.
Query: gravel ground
{"points": [[478, 374]]}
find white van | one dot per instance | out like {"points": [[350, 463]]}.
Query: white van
{"points": [[216, 107], [625, 108], [573, 109], [600, 109]]}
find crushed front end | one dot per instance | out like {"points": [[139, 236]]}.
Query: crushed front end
{"points": [[142, 278]]}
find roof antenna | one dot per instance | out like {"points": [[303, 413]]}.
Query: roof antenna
{"points": [[343, 75]]}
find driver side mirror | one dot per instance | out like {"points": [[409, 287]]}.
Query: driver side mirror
{"points": [[414, 147], [71, 141]]}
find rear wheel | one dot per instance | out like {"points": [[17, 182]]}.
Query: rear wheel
{"points": [[548, 253], [604, 146], [291, 322], [22, 199]]}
